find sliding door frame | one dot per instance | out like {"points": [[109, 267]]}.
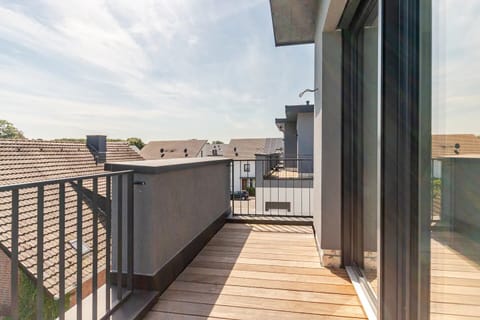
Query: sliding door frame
{"points": [[405, 77]]}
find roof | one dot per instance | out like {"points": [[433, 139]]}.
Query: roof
{"points": [[210, 148], [293, 21], [444, 145], [246, 149], [31, 161], [172, 149]]}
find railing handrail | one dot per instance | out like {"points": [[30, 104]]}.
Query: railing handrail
{"points": [[26, 185]]}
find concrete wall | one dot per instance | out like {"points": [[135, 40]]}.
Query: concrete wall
{"points": [[290, 144], [327, 132], [305, 141], [180, 198], [460, 195]]}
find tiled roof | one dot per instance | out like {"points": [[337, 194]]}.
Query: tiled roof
{"points": [[171, 149], [31, 161], [444, 145], [245, 149]]}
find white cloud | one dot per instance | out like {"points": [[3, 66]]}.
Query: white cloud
{"points": [[149, 67]]}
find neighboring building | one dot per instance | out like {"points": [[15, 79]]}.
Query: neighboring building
{"points": [[297, 128], [171, 149], [245, 151], [213, 150], [24, 161]]}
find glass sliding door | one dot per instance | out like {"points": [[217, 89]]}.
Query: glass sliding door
{"points": [[455, 160]]}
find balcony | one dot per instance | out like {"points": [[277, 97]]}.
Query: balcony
{"points": [[161, 239]]}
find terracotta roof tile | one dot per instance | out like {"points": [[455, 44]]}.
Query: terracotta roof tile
{"points": [[32, 161]]}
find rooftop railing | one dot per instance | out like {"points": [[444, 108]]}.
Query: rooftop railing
{"points": [[270, 185], [58, 236]]}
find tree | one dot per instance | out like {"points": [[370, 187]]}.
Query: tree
{"points": [[136, 142], [8, 131], [217, 142]]}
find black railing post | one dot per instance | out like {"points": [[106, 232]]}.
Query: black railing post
{"points": [[233, 187], [108, 231], [40, 211], [14, 258], [130, 218], [79, 287], [119, 237], [61, 249], [95, 249]]}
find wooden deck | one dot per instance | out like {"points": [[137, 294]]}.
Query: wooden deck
{"points": [[455, 277], [259, 272]]}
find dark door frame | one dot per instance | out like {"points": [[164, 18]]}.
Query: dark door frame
{"points": [[356, 16], [404, 248], [406, 148]]}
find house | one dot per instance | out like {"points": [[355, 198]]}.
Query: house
{"points": [[172, 149], [30, 161], [297, 128], [213, 150], [243, 153]]}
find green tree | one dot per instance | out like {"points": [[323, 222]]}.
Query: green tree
{"points": [[8, 131], [136, 142], [217, 142]]}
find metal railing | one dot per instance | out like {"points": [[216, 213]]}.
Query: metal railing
{"points": [[270, 185], [61, 239]]}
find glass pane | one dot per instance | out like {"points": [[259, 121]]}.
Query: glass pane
{"points": [[455, 178], [370, 152]]}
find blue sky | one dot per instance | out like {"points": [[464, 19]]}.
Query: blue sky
{"points": [[188, 69], [153, 69]]}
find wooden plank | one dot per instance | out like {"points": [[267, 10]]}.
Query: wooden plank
{"points": [[270, 256], [456, 267], [233, 312], [265, 262], [158, 315], [439, 316], [290, 254], [262, 283], [278, 250], [264, 235], [455, 289], [450, 297], [264, 303], [328, 279], [271, 269], [474, 277], [271, 245], [278, 294], [268, 228], [444, 280], [455, 309]]}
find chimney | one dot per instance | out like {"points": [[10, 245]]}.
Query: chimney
{"points": [[98, 146]]}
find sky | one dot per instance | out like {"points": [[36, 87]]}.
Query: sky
{"points": [[456, 66], [152, 69], [180, 69]]}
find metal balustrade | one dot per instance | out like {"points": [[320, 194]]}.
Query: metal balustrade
{"points": [[270, 185], [79, 209]]}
